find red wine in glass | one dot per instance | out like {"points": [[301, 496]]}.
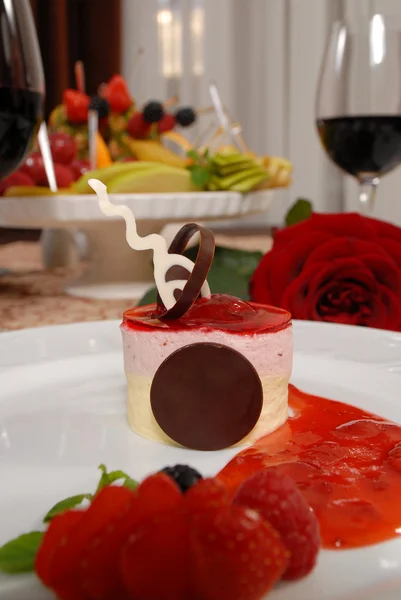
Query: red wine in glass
{"points": [[21, 83], [359, 101], [362, 145]]}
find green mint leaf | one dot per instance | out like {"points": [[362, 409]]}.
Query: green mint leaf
{"points": [[200, 176], [18, 555], [194, 155], [66, 504], [109, 478], [300, 211]]}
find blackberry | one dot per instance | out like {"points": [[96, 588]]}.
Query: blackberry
{"points": [[100, 105], [185, 116], [153, 112], [184, 476]]}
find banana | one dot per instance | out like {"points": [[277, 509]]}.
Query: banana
{"points": [[151, 150]]}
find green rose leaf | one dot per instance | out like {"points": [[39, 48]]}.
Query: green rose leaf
{"points": [[230, 272], [66, 504], [300, 211], [18, 555]]}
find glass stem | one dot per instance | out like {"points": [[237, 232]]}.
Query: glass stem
{"points": [[367, 195]]}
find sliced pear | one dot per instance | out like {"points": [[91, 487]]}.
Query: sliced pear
{"points": [[228, 183], [246, 185], [161, 180]]}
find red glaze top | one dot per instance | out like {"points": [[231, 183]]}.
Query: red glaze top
{"points": [[221, 311], [346, 461]]}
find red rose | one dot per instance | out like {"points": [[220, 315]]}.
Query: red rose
{"points": [[343, 268]]}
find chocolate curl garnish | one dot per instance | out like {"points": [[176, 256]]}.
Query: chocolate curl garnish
{"points": [[198, 276], [163, 260]]}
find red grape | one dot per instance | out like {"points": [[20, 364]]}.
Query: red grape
{"points": [[63, 148], [33, 166], [64, 176], [79, 167], [16, 178]]}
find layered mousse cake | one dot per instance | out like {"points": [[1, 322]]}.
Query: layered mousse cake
{"points": [[260, 334], [203, 371]]}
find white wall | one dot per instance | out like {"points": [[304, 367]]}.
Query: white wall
{"points": [[265, 56]]}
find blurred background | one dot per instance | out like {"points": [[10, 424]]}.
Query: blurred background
{"points": [[264, 54]]}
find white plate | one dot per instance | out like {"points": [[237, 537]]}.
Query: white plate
{"points": [[80, 210], [62, 413]]}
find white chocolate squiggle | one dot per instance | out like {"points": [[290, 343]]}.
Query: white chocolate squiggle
{"points": [[162, 260]]}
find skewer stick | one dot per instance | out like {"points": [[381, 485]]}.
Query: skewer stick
{"points": [[172, 101], [93, 129], [44, 145], [79, 71], [135, 62]]}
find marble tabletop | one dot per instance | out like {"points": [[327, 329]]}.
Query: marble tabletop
{"points": [[30, 296]]}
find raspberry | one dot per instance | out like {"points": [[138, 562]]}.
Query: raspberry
{"points": [[278, 500], [137, 128], [167, 123]]}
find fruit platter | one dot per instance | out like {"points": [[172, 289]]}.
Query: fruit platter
{"points": [[145, 156]]}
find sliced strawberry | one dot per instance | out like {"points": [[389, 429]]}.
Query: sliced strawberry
{"points": [[100, 565], [236, 555], [117, 94], [166, 123], [77, 105], [106, 508], [137, 128], [278, 500], [57, 533], [155, 561], [207, 493]]}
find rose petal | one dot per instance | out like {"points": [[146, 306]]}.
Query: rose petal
{"points": [[393, 249], [342, 248], [384, 269], [294, 296], [384, 229], [343, 269], [392, 306], [288, 262], [345, 225]]}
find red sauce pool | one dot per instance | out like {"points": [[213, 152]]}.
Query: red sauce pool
{"points": [[220, 311], [346, 461]]}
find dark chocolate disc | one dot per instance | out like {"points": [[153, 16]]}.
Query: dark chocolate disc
{"points": [[206, 396], [199, 273]]}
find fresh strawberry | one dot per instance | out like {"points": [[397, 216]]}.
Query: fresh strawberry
{"points": [[236, 555], [155, 561], [166, 123], [107, 507], [77, 105], [100, 566], [57, 533], [117, 94], [207, 493], [278, 500], [137, 128]]}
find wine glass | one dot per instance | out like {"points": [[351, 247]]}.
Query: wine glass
{"points": [[21, 83], [358, 106]]}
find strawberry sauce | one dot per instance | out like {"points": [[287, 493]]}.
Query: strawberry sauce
{"points": [[346, 461], [220, 311]]}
